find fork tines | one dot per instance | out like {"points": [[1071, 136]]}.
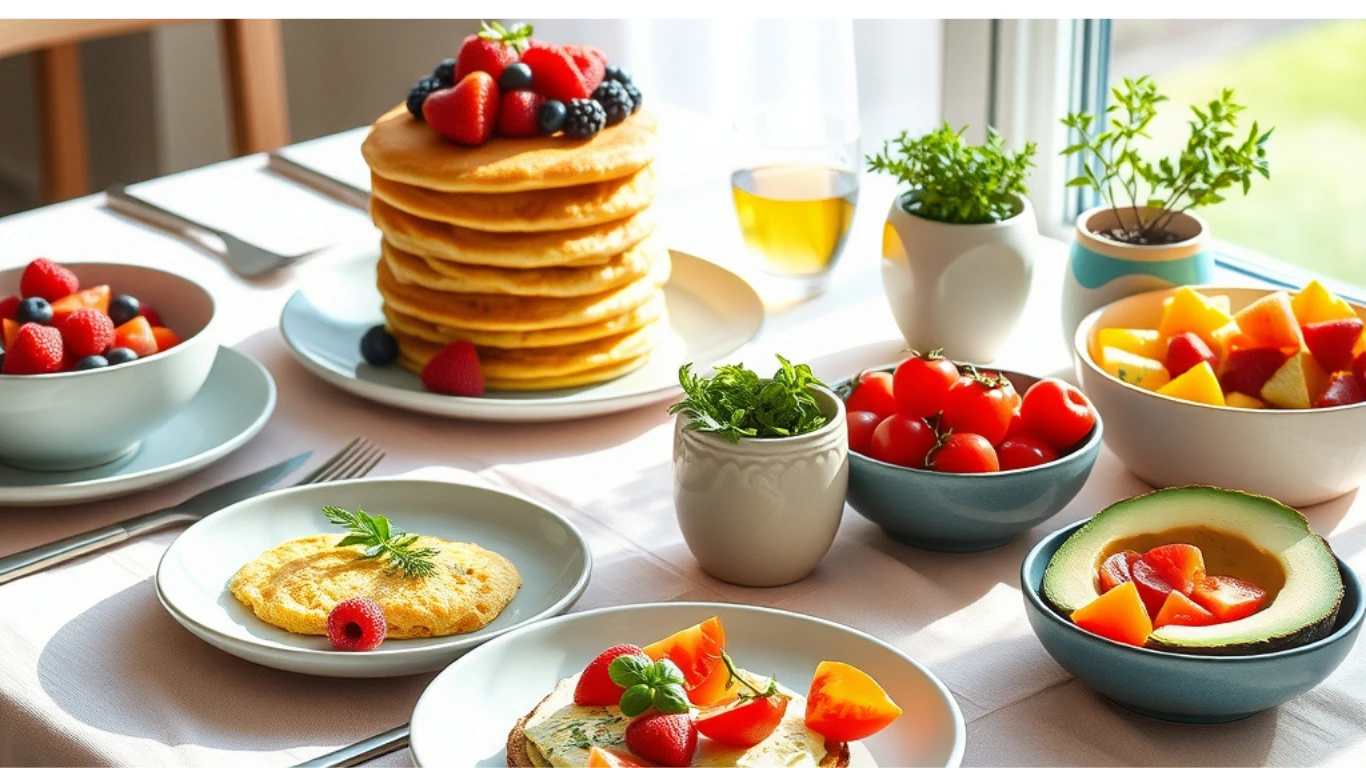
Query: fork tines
{"points": [[353, 461]]}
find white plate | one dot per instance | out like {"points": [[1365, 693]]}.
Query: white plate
{"points": [[712, 313], [192, 579], [464, 716], [234, 404]]}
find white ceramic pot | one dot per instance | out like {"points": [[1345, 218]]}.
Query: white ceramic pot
{"points": [[762, 512], [958, 287]]}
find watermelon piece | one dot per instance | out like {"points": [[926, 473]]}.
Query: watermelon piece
{"points": [[1270, 322], [1229, 599], [1180, 565], [1331, 342], [1182, 611]]}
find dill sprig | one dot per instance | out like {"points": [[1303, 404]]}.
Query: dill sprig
{"points": [[735, 403], [382, 539]]}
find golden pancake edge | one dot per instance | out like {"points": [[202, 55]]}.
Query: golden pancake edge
{"points": [[626, 267], [652, 310]]}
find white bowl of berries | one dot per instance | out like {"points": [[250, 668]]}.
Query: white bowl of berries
{"points": [[96, 356]]}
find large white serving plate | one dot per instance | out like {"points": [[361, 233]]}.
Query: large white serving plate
{"points": [[712, 313], [192, 579], [464, 716]]}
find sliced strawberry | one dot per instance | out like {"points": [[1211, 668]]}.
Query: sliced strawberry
{"points": [[595, 687], [518, 113], [35, 349], [466, 113], [1332, 341], [555, 75], [455, 371], [491, 49], [592, 63]]}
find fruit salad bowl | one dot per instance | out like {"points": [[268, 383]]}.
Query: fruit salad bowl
{"points": [[83, 418], [1301, 457], [1185, 687], [968, 512]]}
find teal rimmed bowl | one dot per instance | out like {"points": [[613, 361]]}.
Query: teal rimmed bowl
{"points": [[967, 513], [1182, 687]]}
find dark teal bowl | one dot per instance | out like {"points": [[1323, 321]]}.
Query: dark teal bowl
{"points": [[1182, 687], [967, 513]]}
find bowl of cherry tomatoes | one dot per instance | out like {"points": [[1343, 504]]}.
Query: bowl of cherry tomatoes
{"points": [[956, 458]]}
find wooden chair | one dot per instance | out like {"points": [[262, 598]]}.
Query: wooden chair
{"points": [[253, 63]]}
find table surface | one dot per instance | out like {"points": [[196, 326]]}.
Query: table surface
{"points": [[93, 671]]}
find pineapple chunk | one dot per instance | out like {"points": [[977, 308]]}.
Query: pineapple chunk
{"points": [[1315, 304], [1188, 310], [1140, 341], [1297, 383], [1133, 369], [1198, 385], [1240, 400]]}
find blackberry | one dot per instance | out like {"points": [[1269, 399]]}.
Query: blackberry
{"points": [[636, 98], [417, 95], [551, 117], [615, 101], [586, 117], [445, 73], [614, 72]]}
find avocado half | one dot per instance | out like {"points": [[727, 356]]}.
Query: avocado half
{"points": [[1303, 610]]}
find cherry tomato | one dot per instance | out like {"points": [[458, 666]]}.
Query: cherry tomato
{"points": [[873, 392], [980, 405], [1016, 428], [902, 440], [1057, 413], [1011, 394], [1024, 451], [861, 425], [921, 383], [742, 724], [963, 452]]}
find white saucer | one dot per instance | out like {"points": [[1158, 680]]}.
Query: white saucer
{"points": [[192, 579], [464, 716], [234, 404], [712, 312]]}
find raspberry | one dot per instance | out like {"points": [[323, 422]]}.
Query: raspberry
{"points": [[36, 349], [86, 332], [356, 624], [455, 371], [595, 688], [46, 279]]}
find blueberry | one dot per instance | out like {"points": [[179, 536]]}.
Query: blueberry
{"points": [[551, 117], [120, 355], [124, 308], [613, 72], [378, 346], [516, 77], [445, 73], [94, 361], [34, 310]]}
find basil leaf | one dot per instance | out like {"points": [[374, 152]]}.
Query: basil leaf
{"points": [[668, 673], [636, 700], [628, 670], [671, 700]]}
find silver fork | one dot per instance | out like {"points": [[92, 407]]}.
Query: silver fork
{"points": [[246, 259]]}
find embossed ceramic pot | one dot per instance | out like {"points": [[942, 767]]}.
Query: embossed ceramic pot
{"points": [[763, 511]]}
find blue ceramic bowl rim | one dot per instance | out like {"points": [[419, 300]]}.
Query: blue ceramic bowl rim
{"points": [[1035, 599], [1092, 438]]}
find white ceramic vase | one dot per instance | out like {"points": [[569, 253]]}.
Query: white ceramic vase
{"points": [[958, 287], [762, 512]]}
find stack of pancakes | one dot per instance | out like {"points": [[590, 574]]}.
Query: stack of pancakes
{"points": [[536, 250]]}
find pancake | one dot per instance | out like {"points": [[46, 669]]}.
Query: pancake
{"points": [[534, 211], [495, 312], [581, 379], [652, 310], [548, 281], [296, 584], [406, 150], [542, 362], [584, 246]]}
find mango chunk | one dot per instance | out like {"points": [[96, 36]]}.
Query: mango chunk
{"points": [[1240, 400], [1198, 385], [1140, 341], [1188, 310], [1297, 383], [1118, 615], [1133, 369], [1315, 304], [1270, 322]]}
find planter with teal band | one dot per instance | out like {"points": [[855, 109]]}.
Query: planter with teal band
{"points": [[1102, 270]]}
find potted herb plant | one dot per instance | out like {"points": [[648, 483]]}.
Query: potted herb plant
{"points": [[958, 247], [1136, 242], [760, 471]]}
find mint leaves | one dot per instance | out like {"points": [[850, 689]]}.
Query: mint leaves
{"points": [[381, 539], [657, 684], [735, 403]]}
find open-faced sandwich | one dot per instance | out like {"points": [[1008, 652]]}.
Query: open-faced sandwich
{"points": [[682, 701]]}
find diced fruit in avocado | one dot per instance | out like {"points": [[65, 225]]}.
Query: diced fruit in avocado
{"points": [[1270, 322], [1132, 369], [1190, 311], [1240, 400], [1118, 615], [1198, 385], [1297, 383], [1248, 370], [1117, 569], [1332, 341], [1139, 341], [1227, 598], [1152, 588], [1301, 610], [1180, 565], [1315, 304], [1180, 610], [1343, 389], [1185, 351]]}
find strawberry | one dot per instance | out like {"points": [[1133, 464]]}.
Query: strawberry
{"points": [[519, 113], [1343, 389], [36, 349], [9, 307], [45, 278], [466, 113], [663, 739], [455, 371], [554, 73], [595, 688], [491, 49], [1247, 370], [592, 63], [1331, 342], [86, 332]]}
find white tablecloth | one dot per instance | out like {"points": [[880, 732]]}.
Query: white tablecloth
{"points": [[93, 671]]}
